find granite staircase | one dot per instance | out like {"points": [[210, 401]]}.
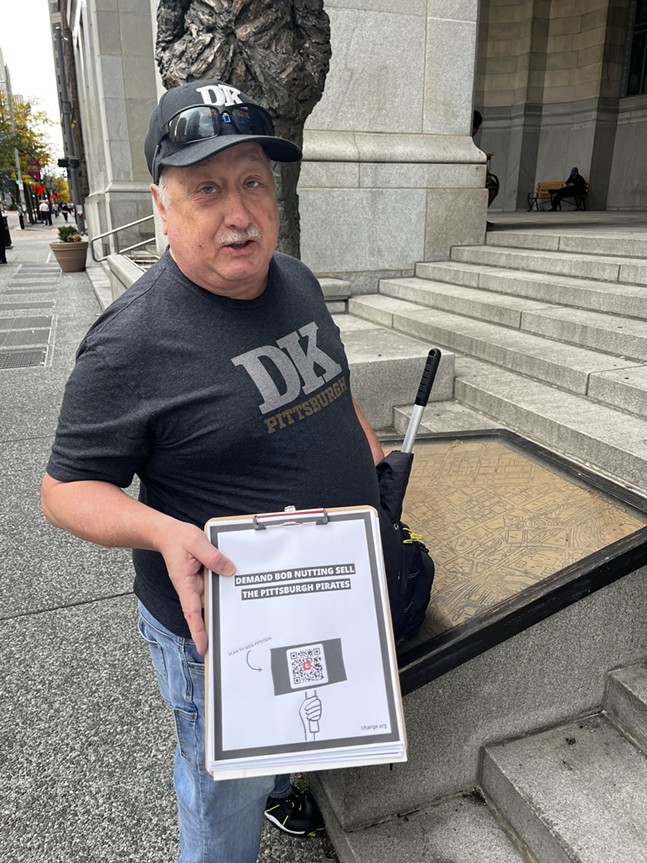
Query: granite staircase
{"points": [[578, 791], [534, 750], [549, 334], [575, 792]]}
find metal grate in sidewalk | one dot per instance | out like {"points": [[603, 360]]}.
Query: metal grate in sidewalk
{"points": [[30, 282], [22, 359], [29, 271], [42, 289], [25, 323], [23, 338], [26, 305]]}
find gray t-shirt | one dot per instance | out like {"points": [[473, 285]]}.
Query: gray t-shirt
{"points": [[219, 406]]}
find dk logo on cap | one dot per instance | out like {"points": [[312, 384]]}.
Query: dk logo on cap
{"points": [[198, 120]]}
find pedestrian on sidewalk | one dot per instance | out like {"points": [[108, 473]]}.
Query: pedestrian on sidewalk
{"points": [[45, 212], [182, 382], [5, 238]]}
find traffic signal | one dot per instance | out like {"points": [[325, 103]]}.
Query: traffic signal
{"points": [[70, 162]]}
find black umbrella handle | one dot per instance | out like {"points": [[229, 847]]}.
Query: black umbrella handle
{"points": [[428, 375], [424, 391]]}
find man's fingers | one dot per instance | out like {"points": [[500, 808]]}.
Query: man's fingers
{"points": [[186, 551], [216, 561], [193, 617], [224, 565]]}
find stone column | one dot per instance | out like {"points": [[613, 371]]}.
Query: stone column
{"points": [[115, 78], [391, 175]]}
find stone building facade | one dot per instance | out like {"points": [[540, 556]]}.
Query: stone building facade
{"points": [[116, 85], [391, 175], [554, 85]]}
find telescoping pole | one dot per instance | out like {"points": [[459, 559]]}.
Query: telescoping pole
{"points": [[426, 382]]}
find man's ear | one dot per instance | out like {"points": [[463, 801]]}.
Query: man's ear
{"points": [[161, 209]]}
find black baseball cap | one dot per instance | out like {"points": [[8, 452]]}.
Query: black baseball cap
{"points": [[199, 119]]}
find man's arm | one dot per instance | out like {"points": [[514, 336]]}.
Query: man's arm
{"points": [[373, 442], [102, 513]]}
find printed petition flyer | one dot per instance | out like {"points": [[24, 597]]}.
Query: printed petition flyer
{"points": [[301, 657]]}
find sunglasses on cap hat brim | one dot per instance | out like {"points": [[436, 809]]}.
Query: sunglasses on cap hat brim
{"points": [[202, 123]]}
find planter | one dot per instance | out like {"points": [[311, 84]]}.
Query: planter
{"points": [[70, 257]]}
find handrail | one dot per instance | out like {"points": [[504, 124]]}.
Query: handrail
{"points": [[115, 231]]}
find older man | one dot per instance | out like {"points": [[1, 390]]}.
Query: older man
{"points": [[210, 380]]}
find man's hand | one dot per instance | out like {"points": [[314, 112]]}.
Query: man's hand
{"points": [[186, 550]]}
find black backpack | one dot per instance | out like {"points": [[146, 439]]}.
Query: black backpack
{"points": [[409, 575]]}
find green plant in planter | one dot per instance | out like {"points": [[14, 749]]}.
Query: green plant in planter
{"points": [[68, 234], [70, 250]]}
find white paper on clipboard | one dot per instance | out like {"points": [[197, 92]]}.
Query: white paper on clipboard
{"points": [[301, 666]]}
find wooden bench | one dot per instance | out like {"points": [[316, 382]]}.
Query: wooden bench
{"points": [[545, 190]]}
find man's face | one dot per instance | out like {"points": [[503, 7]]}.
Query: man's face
{"points": [[222, 220]]}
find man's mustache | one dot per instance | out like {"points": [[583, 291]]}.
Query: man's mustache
{"points": [[231, 238]]}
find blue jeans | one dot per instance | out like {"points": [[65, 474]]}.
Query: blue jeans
{"points": [[220, 822]]}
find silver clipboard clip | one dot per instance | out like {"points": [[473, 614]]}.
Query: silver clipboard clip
{"points": [[278, 519]]}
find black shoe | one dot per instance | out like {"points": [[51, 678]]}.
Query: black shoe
{"points": [[297, 814]]}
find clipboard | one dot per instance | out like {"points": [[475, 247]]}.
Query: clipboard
{"points": [[301, 669]]}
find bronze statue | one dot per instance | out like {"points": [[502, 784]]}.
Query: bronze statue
{"points": [[276, 51]]}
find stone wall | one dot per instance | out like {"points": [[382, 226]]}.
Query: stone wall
{"points": [[391, 175], [549, 84], [116, 80], [628, 182]]}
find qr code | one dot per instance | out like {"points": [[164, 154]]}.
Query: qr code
{"points": [[307, 666]]}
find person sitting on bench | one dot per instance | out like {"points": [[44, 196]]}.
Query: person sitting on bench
{"points": [[575, 185]]}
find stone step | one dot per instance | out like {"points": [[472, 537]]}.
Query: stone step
{"points": [[574, 793], [563, 365], [611, 334], [625, 300], [444, 418], [456, 830], [625, 337], [496, 308], [616, 245], [625, 389], [506, 692], [386, 366], [626, 701], [606, 268], [336, 293], [611, 441]]}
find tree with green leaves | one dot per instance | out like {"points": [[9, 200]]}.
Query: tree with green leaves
{"points": [[23, 134]]}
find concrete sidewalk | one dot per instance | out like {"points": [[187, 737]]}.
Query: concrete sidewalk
{"points": [[87, 744]]}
